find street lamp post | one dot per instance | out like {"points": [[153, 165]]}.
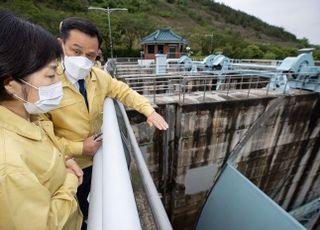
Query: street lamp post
{"points": [[108, 11]]}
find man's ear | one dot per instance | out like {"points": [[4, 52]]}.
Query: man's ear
{"points": [[60, 40]]}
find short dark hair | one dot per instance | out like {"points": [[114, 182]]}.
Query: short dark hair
{"points": [[81, 24], [24, 49]]}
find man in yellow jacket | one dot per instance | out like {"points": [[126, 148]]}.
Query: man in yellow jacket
{"points": [[78, 119]]}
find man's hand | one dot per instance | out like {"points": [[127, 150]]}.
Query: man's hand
{"points": [[91, 145], [158, 121], [73, 167]]}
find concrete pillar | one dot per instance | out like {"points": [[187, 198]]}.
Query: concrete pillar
{"points": [[161, 64]]}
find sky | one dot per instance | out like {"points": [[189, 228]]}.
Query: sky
{"points": [[299, 17]]}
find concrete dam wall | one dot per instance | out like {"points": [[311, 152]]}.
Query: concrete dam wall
{"points": [[282, 157]]}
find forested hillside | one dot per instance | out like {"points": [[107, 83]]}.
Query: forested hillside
{"points": [[207, 25]]}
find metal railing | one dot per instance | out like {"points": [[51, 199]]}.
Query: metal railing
{"points": [[112, 202], [134, 60], [128, 69], [182, 85], [159, 214]]}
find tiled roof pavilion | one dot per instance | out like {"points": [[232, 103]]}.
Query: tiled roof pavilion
{"points": [[163, 41], [163, 36]]}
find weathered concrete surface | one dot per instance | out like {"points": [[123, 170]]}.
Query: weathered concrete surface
{"points": [[282, 158]]}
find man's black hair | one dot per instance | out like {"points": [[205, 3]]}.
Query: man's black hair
{"points": [[81, 24]]}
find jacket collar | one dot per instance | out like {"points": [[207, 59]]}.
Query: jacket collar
{"points": [[15, 123], [91, 86]]}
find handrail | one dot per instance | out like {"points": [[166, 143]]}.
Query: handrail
{"points": [[160, 216], [181, 85], [112, 205], [95, 205]]}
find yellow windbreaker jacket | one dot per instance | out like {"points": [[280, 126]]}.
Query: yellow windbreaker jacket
{"points": [[73, 122], [35, 190]]}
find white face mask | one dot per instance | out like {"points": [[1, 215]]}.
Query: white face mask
{"points": [[49, 98], [77, 67]]}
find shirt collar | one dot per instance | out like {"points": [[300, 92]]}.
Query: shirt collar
{"points": [[19, 125]]}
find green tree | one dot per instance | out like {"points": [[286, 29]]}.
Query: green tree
{"points": [[75, 5], [316, 55], [236, 52], [131, 28], [269, 55], [228, 50], [289, 52], [278, 52], [252, 51], [304, 43], [233, 31]]}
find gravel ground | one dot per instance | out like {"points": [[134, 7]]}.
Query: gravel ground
{"points": [[146, 217]]}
